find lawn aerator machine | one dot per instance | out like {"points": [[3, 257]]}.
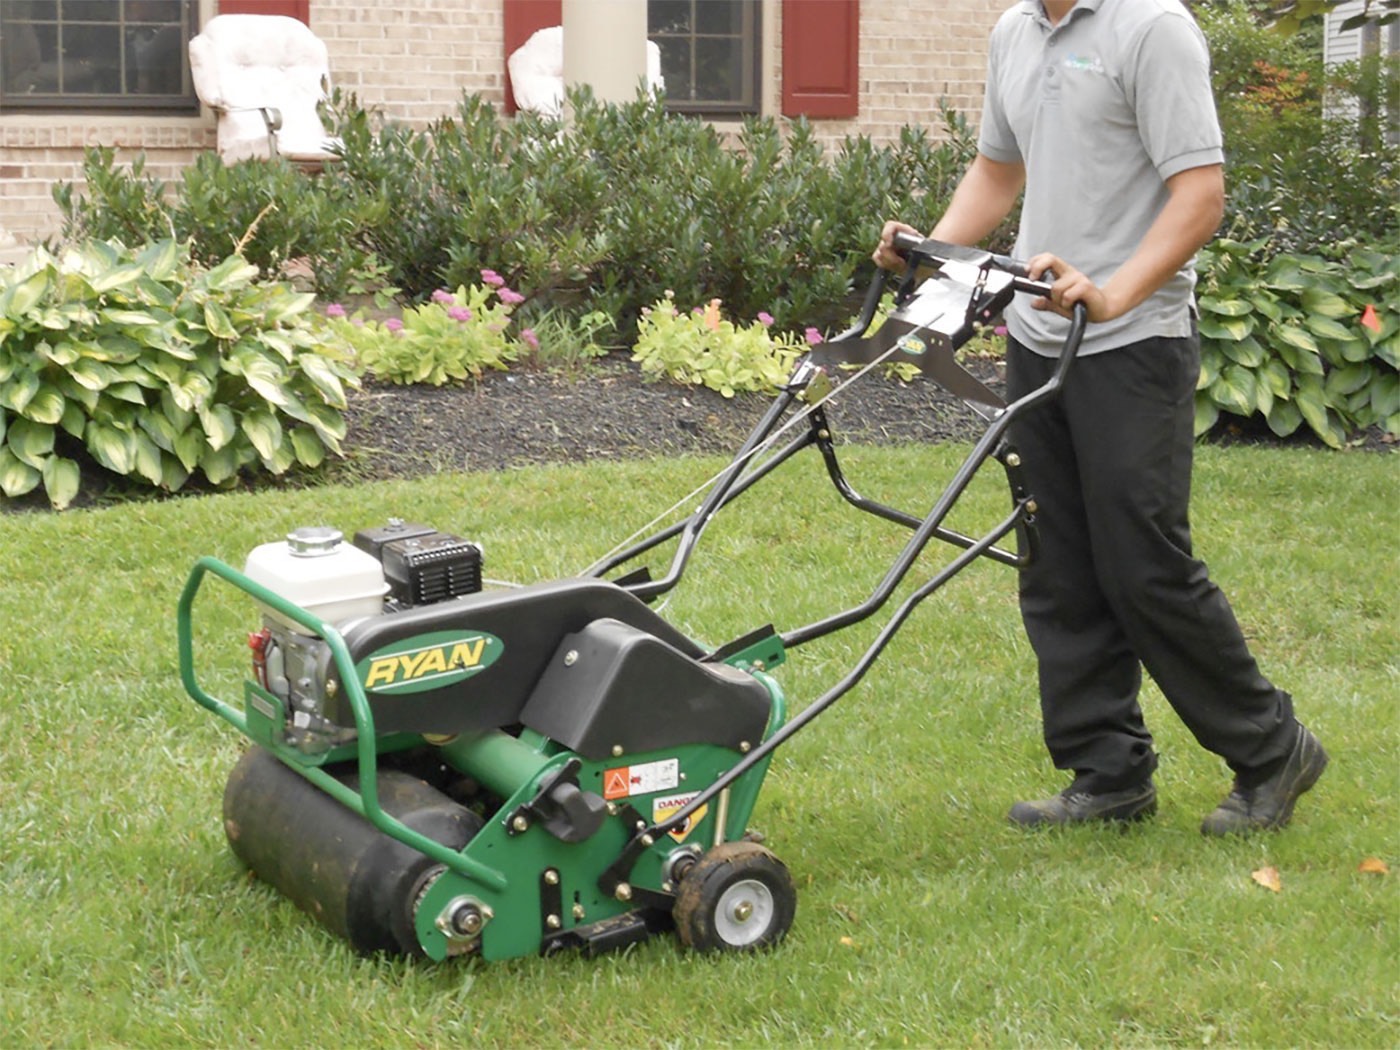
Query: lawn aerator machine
{"points": [[444, 768]]}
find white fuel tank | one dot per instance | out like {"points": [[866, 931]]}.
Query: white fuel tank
{"points": [[315, 569]]}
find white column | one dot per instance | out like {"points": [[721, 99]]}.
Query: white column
{"points": [[605, 46]]}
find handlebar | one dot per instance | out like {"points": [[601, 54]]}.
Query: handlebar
{"points": [[911, 246]]}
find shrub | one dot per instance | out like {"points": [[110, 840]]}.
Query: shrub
{"points": [[1270, 91], [1300, 338], [267, 211], [157, 368], [455, 335], [702, 348]]}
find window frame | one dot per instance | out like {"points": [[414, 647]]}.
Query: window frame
{"points": [[750, 41], [186, 103]]}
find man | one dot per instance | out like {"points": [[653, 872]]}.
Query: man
{"points": [[1102, 112]]}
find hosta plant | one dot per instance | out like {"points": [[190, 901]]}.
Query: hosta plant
{"points": [[1300, 339], [158, 369], [702, 348]]}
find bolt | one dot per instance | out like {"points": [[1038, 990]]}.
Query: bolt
{"points": [[466, 920], [742, 911], [647, 840], [520, 823], [1032, 506], [1013, 460], [551, 877], [332, 687], [745, 747], [571, 658], [553, 922], [623, 891], [616, 750], [579, 913]]}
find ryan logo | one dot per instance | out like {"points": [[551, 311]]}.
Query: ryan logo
{"points": [[428, 661]]}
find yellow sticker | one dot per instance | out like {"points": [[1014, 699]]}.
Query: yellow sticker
{"points": [[664, 808]]}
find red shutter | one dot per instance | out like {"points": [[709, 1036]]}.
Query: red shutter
{"points": [[522, 18], [299, 9], [821, 58]]}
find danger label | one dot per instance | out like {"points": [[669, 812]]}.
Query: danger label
{"points": [[645, 779], [664, 808]]}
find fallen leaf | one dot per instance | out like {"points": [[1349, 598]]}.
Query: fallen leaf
{"points": [[1268, 878], [1369, 318], [848, 942], [1373, 866]]}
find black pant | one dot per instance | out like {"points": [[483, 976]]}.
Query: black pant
{"points": [[1116, 588]]}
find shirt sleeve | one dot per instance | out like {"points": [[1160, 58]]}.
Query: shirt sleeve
{"points": [[995, 138], [1173, 97]]}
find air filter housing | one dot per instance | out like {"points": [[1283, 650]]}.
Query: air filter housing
{"points": [[423, 566]]}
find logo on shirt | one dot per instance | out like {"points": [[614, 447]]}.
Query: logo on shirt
{"points": [[1085, 64]]}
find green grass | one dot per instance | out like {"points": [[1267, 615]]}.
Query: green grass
{"points": [[923, 918]]}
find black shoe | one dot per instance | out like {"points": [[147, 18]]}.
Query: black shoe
{"points": [[1269, 804], [1080, 807]]}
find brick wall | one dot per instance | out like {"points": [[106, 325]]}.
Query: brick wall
{"points": [[412, 61]]}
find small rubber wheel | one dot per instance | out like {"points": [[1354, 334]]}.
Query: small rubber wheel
{"points": [[738, 897]]}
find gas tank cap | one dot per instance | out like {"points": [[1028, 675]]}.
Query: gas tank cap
{"points": [[313, 541]]}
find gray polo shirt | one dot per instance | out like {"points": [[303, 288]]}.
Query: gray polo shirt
{"points": [[1101, 110]]}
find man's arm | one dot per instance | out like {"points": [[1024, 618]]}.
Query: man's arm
{"points": [[985, 195], [1192, 214]]}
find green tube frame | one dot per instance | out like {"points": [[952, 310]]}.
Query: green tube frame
{"points": [[365, 802]]}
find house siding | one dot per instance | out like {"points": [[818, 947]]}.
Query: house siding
{"points": [[413, 61]]}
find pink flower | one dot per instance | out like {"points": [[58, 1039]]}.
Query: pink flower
{"points": [[999, 330], [509, 297], [492, 278], [442, 295], [813, 336], [529, 336], [459, 313], [394, 324], [335, 310], [765, 318]]}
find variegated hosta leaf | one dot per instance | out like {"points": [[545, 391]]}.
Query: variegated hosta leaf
{"points": [[30, 442], [16, 477], [62, 480]]}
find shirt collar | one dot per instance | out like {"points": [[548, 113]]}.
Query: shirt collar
{"points": [[1036, 10]]}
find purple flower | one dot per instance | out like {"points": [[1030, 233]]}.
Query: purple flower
{"points": [[335, 310], [492, 278], [442, 295], [813, 336], [999, 330], [393, 324], [509, 297], [529, 336], [459, 313], [765, 318]]}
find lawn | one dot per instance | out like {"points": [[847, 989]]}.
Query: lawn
{"points": [[924, 919]]}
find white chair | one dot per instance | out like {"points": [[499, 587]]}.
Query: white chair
{"points": [[536, 70], [264, 75]]}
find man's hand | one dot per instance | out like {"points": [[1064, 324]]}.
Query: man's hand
{"points": [[884, 254], [1070, 287]]}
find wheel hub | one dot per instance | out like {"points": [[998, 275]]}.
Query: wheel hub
{"points": [[745, 912]]}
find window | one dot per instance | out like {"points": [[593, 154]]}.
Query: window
{"points": [[96, 54], [709, 53]]}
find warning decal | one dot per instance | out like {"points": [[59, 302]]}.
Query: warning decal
{"points": [[645, 779], [662, 808]]}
